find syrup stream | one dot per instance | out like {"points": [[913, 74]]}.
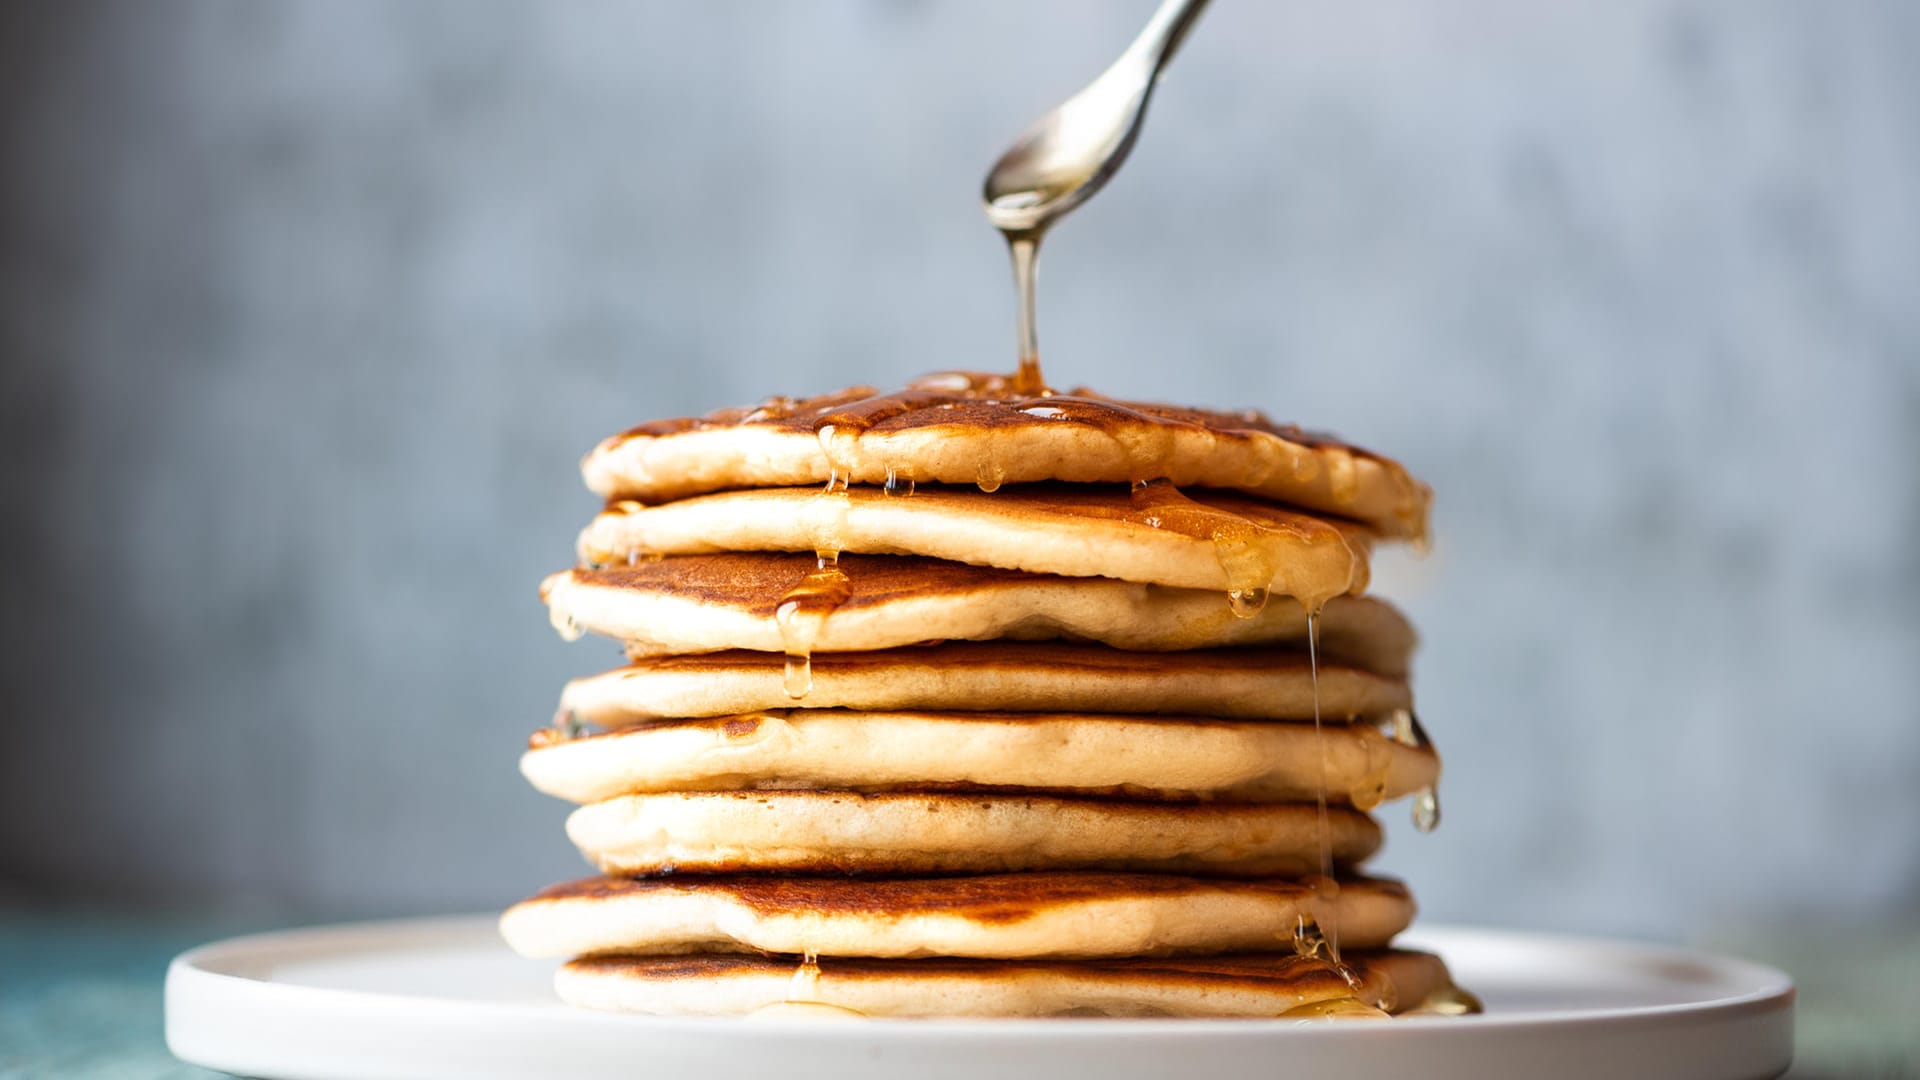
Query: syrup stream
{"points": [[1024, 247]]}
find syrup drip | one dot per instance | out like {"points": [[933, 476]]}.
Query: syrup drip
{"points": [[990, 473], [838, 444], [1310, 938], [897, 484], [801, 613], [1426, 801], [1248, 554], [805, 984], [803, 998]]}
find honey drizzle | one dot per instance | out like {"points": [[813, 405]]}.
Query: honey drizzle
{"points": [[1426, 802]]}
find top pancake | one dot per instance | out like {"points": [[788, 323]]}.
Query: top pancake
{"points": [[968, 428]]}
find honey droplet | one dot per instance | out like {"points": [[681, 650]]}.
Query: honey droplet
{"points": [[1426, 802], [1247, 603], [990, 474], [1309, 941], [798, 679], [897, 484], [1426, 809]]}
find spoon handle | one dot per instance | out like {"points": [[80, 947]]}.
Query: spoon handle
{"points": [[1165, 31]]}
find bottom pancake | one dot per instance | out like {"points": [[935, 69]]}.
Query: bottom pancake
{"points": [[944, 833], [996, 916], [1226, 986]]}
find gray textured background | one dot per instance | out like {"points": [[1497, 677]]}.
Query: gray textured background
{"points": [[308, 309]]}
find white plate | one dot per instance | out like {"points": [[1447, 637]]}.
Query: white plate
{"points": [[443, 997]]}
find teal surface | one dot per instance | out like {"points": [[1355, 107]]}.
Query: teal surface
{"points": [[81, 996]]}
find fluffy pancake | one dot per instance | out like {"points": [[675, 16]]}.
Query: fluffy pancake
{"points": [[1002, 916], [1226, 986], [706, 603], [1154, 535], [949, 833], [1248, 683], [967, 428], [1156, 757]]}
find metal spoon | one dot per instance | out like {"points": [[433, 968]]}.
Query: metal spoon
{"points": [[1070, 153]]}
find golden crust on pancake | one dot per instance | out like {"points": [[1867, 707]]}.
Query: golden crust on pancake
{"points": [[948, 833], [1249, 683], [1001, 916], [968, 428], [1155, 535], [1223, 986], [706, 603], [1135, 756]]}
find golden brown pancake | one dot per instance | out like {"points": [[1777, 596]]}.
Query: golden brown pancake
{"points": [[1135, 756], [968, 428], [958, 833], [706, 603], [1155, 535], [1001, 916], [1249, 684], [1222, 986]]}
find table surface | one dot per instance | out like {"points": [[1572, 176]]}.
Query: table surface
{"points": [[80, 995]]}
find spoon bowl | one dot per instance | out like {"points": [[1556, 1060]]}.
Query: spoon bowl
{"points": [[1070, 153]]}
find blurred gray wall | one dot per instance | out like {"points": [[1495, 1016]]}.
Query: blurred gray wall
{"points": [[308, 309]]}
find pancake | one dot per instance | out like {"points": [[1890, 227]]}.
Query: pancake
{"points": [[967, 428], [1152, 757], [950, 833], [1249, 683], [706, 603], [1003, 916], [1226, 986], [1154, 535]]}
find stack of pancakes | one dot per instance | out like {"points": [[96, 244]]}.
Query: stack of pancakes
{"points": [[954, 701]]}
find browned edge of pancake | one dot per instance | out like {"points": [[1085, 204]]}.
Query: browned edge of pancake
{"points": [[986, 898]]}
